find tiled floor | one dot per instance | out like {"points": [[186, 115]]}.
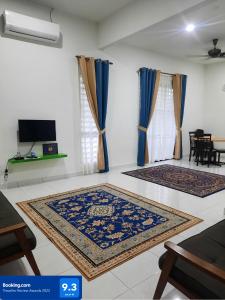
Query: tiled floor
{"points": [[137, 278]]}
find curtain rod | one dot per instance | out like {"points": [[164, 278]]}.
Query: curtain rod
{"points": [[167, 73], [79, 56], [161, 73]]}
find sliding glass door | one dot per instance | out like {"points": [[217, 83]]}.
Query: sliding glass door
{"points": [[162, 129]]}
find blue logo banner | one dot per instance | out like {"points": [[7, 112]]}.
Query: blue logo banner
{"points": [[40, 287]]}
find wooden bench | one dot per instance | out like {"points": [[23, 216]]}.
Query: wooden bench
{"points": [[196, 266], [16, 238]]}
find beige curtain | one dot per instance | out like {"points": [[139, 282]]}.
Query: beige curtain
{"points": [[156, 88], [177, 112], [87, 69]]}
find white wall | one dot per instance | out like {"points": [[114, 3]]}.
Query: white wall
{"points": [[38, 81], [214, 100]]}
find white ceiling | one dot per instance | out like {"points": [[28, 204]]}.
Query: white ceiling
{"points": [[169, 37], [94, 10]]}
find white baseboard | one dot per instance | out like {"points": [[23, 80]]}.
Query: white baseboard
{"points": [[19, 183]]}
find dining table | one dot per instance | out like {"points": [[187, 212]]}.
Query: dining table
{"points": [[213, 139]]}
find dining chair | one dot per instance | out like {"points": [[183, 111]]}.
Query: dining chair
{"points": [[219, 152], [207, 136], [192, 144], [199, 133], [205, 151]]}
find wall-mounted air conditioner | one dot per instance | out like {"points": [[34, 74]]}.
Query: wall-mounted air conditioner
{"points": [[20, 25]]}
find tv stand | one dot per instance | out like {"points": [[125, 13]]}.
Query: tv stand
{"points": [[43, 157]]}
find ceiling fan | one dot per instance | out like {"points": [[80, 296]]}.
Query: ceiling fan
{"points": [[214, 52]]}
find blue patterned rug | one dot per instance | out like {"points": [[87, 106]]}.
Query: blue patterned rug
{"points": [[186, 180], [100, 227]]}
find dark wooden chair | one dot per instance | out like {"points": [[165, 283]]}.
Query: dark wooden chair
{"points": [[192, 144], [207, 136], [199, 133], [205, 151], [219, 152], [195, 266], [16, 238]]}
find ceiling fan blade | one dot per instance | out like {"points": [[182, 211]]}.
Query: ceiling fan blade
{"points": [[193, 56]]}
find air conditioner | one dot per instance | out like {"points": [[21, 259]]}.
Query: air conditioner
{"points": [[24, 26]]}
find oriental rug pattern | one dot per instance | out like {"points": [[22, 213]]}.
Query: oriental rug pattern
{"points": [[194, 182], [100, 227]]}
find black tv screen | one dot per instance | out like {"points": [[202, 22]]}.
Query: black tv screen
{"points": [[37, 130]]}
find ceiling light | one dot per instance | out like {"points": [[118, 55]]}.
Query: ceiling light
{"points": [[190, 27]]}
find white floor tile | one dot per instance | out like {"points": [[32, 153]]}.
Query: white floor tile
{"points": [[136, 278], [106, 286], [174, 295], [129, 294], [18, 267], [50, 260], [137, 269], [160, 249], [146, 289]]}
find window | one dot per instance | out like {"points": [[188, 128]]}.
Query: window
{"points": [[89, 134], [162, 129]]}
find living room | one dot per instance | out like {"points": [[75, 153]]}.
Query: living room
{"points": [[137, 44]]}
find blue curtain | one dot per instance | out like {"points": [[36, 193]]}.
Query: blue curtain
{"points": [[147, 85], [102, 82], [183, 95]]}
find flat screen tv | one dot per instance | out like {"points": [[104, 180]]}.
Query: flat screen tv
{"points": [[36, 130]]}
